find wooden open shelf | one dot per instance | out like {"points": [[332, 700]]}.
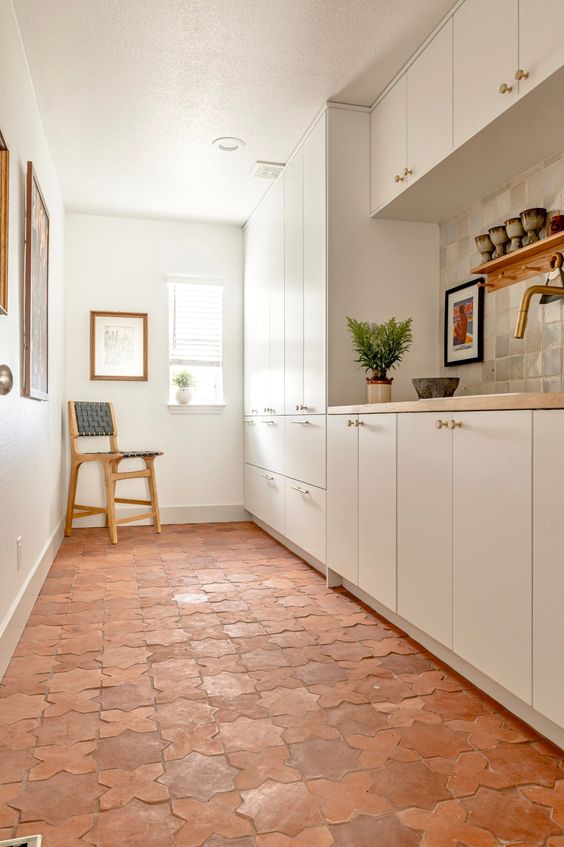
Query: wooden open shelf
{"points": [[524, 263]]}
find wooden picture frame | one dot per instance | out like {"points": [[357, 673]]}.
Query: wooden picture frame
{"points": [[119, 346], [4, 223], [36, 291], [464, 323]]}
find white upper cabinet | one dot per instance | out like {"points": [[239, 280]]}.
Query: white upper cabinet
{"points": [[429, 105], [492, 544], [257, 340], [485, 60], [294, 284], [388, 145], [541, 41], [425, 524], [276, 310], [377, 507], [314, 273]]}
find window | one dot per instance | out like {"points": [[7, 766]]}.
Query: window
{"points": [[196, 336]]}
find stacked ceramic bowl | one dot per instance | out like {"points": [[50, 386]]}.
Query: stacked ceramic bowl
{"points": [[512, 235]]}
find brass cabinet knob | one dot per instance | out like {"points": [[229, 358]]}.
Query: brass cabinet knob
{"points": [[454, 424], [350, 423], [504, 88], [521, 74], [407, 172], [441, 424], [359, 423], [398, 178]]}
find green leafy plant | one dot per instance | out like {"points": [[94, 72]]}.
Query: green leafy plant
{"points": [[380, 346], [183, 379]]}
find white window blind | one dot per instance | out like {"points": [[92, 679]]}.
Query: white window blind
{"points": [[196, 321]]}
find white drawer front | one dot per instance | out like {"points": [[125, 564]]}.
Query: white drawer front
{"points": [[264, 496], [264, 442], [305, 517], [304, 441]]}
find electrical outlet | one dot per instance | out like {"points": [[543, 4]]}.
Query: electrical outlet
{"points": [[19, 552]]}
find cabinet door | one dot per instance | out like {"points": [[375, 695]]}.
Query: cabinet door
{"points": [[314, 319], [388, 153], [541, 41], [305, 517], [305, 448], [485, 57], [269, 436], [342, 496], [377, 569], [253, 389], [276, 304], [548, 565], [425, 524], [264, 496], [492, 540], [429, 105], [294, 285]]}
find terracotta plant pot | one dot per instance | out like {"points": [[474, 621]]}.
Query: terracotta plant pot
{"points": [[379, 390]]}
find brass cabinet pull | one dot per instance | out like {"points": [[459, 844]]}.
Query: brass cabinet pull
{"points": [[267, 476], [254, 412], [270, 423], [350, 423], [301, 408], [301, 490], [398, 178], [252, 423], [440, 424], [521, 74], [359, 423], [407, 171], [504, 88], [268, 410], [454, 424], [300, 423]]}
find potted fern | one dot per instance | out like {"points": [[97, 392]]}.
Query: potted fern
{"points": [[380, 347], [184, 381]]}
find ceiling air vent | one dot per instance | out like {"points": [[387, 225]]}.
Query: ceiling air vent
{"points": [[26, 841], [267, 170]]}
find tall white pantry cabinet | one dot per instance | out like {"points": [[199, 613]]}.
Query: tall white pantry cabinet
{"points": [[313, 255]]}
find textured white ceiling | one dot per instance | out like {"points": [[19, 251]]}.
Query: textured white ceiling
{"points": [[132, 92]]}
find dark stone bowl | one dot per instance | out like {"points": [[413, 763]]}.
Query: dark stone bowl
{"points": [[428, 387]]}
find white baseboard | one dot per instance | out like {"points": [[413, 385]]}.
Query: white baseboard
{"points": [[234, 513], [523, 710], [13, 624], [311, 560]]}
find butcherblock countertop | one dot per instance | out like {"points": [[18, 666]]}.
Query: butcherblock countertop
{"points": [[468, 403]]}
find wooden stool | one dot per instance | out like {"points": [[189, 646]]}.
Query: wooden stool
{"points": [[98, 419]]}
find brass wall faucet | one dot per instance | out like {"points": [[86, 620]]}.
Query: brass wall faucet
{"points": [[549, 290]]}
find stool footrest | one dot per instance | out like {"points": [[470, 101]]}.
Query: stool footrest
{"points": [[128, 500], [83, 511], [131, 518]]}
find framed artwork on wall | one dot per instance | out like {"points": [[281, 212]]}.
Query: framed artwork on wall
{"points": [[118, 345], [464, 323], [4, 213], [36, 291]]}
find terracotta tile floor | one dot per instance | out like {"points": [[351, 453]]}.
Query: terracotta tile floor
{"points": [[205, 688]]}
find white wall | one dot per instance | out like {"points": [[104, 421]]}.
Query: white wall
{"points": [[31, 476], [121, 264], [377, 268]]}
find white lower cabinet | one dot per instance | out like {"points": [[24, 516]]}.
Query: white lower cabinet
{"points": [[305, 517], [264, 496], [342, 496], [424, 501], [492, 545], [377, 562], [304, 444], [548, 567], [264, 442]]}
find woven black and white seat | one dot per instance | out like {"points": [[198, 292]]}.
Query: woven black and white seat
{"points": [[87, 420]]}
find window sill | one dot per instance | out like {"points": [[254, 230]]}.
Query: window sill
{"points": [[195, 408]]}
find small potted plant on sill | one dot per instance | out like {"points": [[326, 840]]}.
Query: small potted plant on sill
{"points": [[184, 381], [380, 348]]}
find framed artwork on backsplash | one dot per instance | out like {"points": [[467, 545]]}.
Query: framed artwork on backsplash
{"points": [[464, 323]]}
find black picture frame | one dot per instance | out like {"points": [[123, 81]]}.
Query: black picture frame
{"points": [[456, 350]]}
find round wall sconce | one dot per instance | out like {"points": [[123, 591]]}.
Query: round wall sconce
{"points": [[6, 379]]}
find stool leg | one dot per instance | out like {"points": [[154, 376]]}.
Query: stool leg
{"points": [[110, 502], [113, 484], [73, 481], [150, 463]]}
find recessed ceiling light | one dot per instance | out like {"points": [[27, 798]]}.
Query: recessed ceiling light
{"points": [[228, 144]]}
